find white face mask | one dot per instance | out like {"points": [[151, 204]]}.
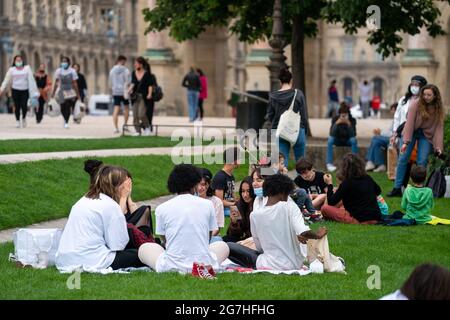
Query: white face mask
{"points": [[415, 90]]}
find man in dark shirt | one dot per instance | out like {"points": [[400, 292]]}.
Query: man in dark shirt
{"points": [[312, 181], [192, 82], [223, 182]]}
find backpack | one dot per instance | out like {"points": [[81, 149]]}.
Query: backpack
{"points": [[436, 181], [342, 134], [157, 94]]}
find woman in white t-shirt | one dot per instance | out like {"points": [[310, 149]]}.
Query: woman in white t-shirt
{"points": [[96, 235], [278, 229], [23, 85], [66, 80], [185, 223], [206, 192]]}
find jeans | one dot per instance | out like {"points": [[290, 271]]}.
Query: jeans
{"points": [[365, 108], [192, 96], [352, 142], [377, 148], [424, 148], [299, 147], [302, 199]]}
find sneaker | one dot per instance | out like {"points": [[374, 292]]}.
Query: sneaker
{"points": [[17, 124], [203, 272], [381, 168], [66, 125], [116, 131], [146, 132], [331, 167], [396, 192], [370, 166], [125, 129]]}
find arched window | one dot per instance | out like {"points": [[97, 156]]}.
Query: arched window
{"points": [[348, 90], [378, 87]]}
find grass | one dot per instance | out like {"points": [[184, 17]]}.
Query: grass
{"points": [[35, 190], [45, 190], [52, 145]]}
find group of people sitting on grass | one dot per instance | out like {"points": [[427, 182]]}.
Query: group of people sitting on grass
{"points": [[268, 221]]}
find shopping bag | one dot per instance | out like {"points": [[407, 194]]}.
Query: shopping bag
{"points": [[53, 108], [79, 111], [391, 163], [289, 124]]}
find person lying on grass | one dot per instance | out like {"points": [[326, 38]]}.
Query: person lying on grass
{"points": [[96, 234], [358, 192], [278, 229], [185, 223]]}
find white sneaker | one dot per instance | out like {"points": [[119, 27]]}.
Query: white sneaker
{"points": [[381, 168], [146, 132], [116, 131], [370, 166], [331, 167], [66, 125], [17, 124]]}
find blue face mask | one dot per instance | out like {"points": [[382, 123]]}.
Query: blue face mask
{"points": [[64, 65], [258, 192]]}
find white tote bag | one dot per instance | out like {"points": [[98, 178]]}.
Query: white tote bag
{"points": [[36, 247], [289, 124], [53, 108], [79, 111]]}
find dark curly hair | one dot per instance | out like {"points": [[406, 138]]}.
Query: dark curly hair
{"points": [[277, 184], [183, 178], [352, 166]]}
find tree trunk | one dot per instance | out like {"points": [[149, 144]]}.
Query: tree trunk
{"points": [[298, 59]]}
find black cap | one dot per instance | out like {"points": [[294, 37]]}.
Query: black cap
{"points": [[421, 79]]}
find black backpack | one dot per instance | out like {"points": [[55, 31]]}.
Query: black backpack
{"points": [[436, 181], [157, 94], [342, 134]]}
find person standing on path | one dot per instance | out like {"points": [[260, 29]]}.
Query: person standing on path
{"points": [[365, 97], [44, 84], [23, 85], [119, 80], [333, 100], [192, 82], [68, 93]]}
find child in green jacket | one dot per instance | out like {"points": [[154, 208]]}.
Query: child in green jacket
{"points": [[417, 199]]}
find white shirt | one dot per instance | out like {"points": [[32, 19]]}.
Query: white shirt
{"points": [[397, 295], [275, 230], [186, 222], [365, 92], [218, 207], [95, 230], [402, 112], [64, 72], [18, 78]]}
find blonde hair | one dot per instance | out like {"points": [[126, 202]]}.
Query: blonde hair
{"points": [[107, 181]]}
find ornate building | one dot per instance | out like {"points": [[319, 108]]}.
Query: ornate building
{"points": [[39, 31]]}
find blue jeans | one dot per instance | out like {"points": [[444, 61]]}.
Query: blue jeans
{"points": [[377, 149], [299, 147], [424, 148], [302, 199], [352, 142], [192, 96]]}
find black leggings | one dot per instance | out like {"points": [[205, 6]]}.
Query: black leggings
{"points": [[200, 108], [126, 259], [243, 256], [20, 98], [150, 105], [66, 109], [40, 110]]}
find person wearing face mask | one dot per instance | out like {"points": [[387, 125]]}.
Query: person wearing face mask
{"points": [[424, 125], [44, 84], [68, 93], [23, 85]]}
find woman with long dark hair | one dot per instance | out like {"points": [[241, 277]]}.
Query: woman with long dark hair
{"points": [[424, 125], [66, 79], [23, 86], [279, 102], [142, 83], [44, 84]]}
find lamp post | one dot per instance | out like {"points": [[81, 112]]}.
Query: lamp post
{"points": [[276, 42], [113, 36]]}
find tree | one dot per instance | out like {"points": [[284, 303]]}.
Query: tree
{"points": [[251, 20]]}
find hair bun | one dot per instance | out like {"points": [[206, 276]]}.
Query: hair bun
{"points": [[92, 166]]}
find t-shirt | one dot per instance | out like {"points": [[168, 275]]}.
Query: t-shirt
{"points": [[225, 182], [186, 222], [397, 295], [95, 230], [64, 72], [19, 78], [218, 208], [359, 196], [274, 230], [316, 186], [147, 80]]}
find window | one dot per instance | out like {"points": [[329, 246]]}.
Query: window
{"points": [[378, 87], [348, 51]]}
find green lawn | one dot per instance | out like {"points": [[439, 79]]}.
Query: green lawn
{"points": [[51, 145], [396, 250], [44, 190]]}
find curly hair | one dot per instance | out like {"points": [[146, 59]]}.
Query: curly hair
{"points": [[183, 178], [277, 184], [437, 103], [352, 166]]}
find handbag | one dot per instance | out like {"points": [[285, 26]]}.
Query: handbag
{"points": [[135, 95], [289, 124]]}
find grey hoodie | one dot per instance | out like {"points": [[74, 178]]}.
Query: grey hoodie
{"points": [[119, 77], [279, 102]]}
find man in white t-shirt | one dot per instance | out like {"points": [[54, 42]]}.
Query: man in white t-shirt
{"points": [[185, 223], [278, 229]]}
